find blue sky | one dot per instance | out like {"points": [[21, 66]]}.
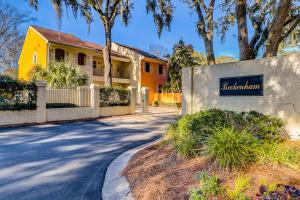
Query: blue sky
{"points": [[140, 32]]}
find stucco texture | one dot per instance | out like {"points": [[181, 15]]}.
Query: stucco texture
{"points": [[281, 88], [34, 43]]}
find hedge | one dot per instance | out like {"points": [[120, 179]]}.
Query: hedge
{"points": [[114, 96], [17, 95]]}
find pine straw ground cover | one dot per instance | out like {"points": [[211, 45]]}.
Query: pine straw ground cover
{"points": [[219, 154], [157, 173]]}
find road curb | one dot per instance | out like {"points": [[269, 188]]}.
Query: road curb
{"points": [[116, 187]]}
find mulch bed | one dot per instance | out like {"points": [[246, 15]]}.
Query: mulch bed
{"points": [[157, 173]]}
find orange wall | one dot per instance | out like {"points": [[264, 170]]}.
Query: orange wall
{"points": [[171, 98], [153, 79]]}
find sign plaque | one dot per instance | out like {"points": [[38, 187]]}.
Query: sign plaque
{"points": [[242, 86]]}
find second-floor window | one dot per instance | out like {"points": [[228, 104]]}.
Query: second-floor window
{"points": [[94, 64], [59, 55], [147, 67], [160, 69], [81, 59]]}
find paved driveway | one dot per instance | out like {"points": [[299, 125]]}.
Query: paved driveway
{"points": [[68, 161]]}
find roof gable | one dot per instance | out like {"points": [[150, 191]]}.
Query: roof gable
{"points": [[141, 52], [69, 39]]}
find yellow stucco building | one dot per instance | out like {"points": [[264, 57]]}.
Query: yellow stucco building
{"points": [[42, 46]]}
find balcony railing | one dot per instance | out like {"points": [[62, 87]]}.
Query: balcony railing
{"points": [[99, 71]]}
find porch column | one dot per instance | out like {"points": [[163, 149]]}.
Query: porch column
{"points": [[95, 100], [133, 93], [145, 99], [41, 111], [187, 90]]}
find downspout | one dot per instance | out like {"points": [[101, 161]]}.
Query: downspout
{"points": [[48, 54]]}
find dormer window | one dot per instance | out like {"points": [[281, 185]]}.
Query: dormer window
{"points": [[81, 59], [59, 55]]}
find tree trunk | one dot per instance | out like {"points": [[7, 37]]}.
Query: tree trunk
{"points": [[275, 34], [241, 15], [107, 58], [209, 48]]}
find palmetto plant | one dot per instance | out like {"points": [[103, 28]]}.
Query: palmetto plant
{"points": [[61, 75], [108, 10]]}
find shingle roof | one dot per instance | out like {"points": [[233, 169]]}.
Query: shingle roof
{"points": [[71, 40], [142, 52]]}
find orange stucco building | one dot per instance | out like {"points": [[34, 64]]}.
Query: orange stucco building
{"points": [[149, 70]]}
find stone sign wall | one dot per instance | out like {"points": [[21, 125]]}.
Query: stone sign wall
{"points": [[269, 85]]}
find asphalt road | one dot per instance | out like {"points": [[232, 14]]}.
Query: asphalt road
{"points": [[68, 161]]}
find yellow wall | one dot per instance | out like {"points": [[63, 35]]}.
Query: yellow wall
{"points": [[152, 79], [33, 43]]}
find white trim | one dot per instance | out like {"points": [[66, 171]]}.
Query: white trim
{"points": [[38, 33]]}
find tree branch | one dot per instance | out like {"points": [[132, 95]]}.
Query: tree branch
{"points": [[201, 24]]}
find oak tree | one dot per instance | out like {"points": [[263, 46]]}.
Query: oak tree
{"points": [[271, 20], [205, 24]]}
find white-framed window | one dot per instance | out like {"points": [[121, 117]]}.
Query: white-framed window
{"points": [[34, 58]]}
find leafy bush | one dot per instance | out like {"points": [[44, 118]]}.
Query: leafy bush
{"points": [[280, 192], [37, 73], [232, 149], [280, 153], [241, 184], [191, 132], [264, 127], [17, 95], [210, 188], [60, 75], [114, 96], [60, 105]]}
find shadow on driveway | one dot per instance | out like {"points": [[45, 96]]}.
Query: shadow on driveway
{"points": [[68, 161]]}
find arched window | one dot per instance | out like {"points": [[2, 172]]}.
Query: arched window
{"points": [[34, 58], [59, 55], [81, 59]]}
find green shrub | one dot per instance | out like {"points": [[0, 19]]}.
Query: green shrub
{"points": [[209, 188], [192, 131], [280, 153], [60, 75], [232, 149], [264, 127], [17, 95], [241, 184], [114, 96]]}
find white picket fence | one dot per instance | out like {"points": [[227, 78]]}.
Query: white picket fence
{"points": [[80, 96]]}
